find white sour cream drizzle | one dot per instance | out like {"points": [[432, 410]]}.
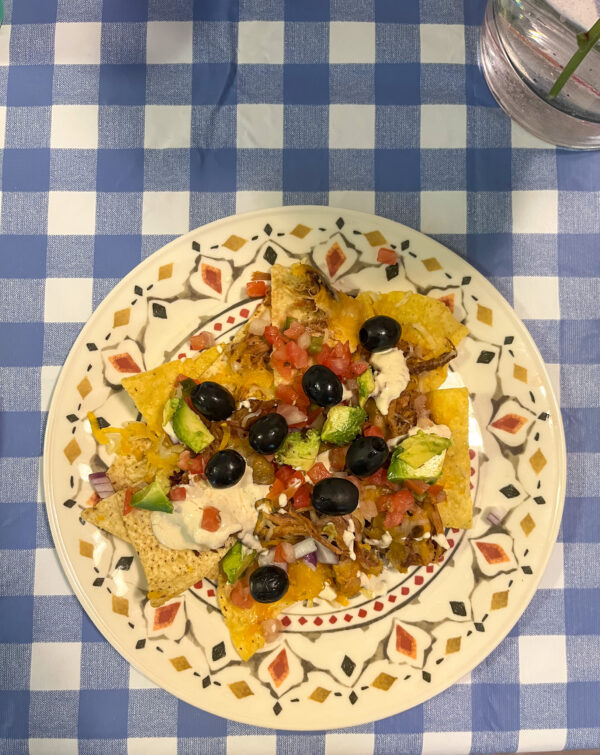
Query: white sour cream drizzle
{"points": [[391, 377], [182, 529]]}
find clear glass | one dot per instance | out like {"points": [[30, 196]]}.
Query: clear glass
{"points": [[524, 46]]}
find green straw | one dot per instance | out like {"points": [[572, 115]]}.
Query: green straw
{"points": [[585, 42]]}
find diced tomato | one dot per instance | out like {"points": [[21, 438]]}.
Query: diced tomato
{"points": [[197, 465], [290, 393], [372, 430], [177, 494], [256, 289], [338, 359], [273, 335], [387, 256], [436, 493], [337, 458], [241, 596], [285, 474], [417, 487], [294, 331], [377, 478], [281, 361], [211, 519], [318, 472], [127, 501], [302, 497], [297, 357], [284, 392], [202, 341], [276, 490], [294, 483], [395, 506], [357, 368], [323, 355]]}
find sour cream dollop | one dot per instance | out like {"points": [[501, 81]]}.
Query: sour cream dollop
{"points": [[236, 505], [391, 378]]}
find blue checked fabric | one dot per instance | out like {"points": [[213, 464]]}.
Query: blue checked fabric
{"points": [[123, 124]]}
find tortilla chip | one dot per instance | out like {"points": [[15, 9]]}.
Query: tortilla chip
{"points": [[302, 293], [426, 322], [169, 572], [107, 514], [127, 471], [243, 365], [151, 389], [245, 624], [451, 407]]}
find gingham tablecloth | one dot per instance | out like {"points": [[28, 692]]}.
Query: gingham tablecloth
{"points": [[127, 122]]}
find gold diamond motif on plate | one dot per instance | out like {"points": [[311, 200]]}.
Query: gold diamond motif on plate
{"points": [[538, 461], [235, 243], [72, 450]]}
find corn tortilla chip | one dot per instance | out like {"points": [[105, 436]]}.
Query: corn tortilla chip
{"points": [[107, 514], [426, 322], [243, 365], [169, 572], [150, 390], [451, 407]]}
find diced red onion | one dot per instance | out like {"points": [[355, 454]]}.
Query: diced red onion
{"points": [[304, 547], [291, 414], [171, 434], [101, 484], [495, 516], [324, 555], [304, 340], [257, 327], [311, 560]]}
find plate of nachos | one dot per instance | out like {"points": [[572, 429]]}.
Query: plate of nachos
{"points": [[304, 467]]}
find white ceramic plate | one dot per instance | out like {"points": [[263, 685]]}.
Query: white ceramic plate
{"points": [[332, 667]]}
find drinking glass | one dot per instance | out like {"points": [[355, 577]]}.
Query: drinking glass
{"points": [[524, 46]]}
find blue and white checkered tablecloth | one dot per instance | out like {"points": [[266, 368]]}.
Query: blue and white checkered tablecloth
{"points": [[124, 123]]}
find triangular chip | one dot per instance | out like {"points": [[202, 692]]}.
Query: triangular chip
{"points": [[451, 407], [169, 572], [150, 390], [302, 293], [243, 365], [428, 324], [108, 515], [245, 624]]}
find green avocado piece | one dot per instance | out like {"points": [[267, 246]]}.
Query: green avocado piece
{"points": [[429, 472], [190, 429], [343, 424], [235, 562], [417, 449], [366, 386], [299, 450], [169, 410], [152, 498]]}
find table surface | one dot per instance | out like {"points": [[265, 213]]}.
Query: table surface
{"points": [[124, 123]]}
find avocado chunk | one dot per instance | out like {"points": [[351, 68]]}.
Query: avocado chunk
{"points": [[169, 410], [190, 429], [418, 457], [366, 386], [299, 450], [417, 449], [343, 424], [152, 498], [236, 561]]}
